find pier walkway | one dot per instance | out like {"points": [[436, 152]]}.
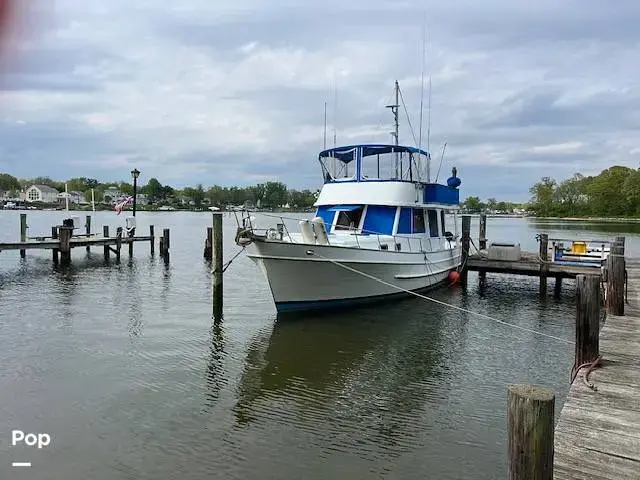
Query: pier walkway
{"points": [[598, 432]]}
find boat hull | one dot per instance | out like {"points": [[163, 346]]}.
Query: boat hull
{"points": [[312, 277]]}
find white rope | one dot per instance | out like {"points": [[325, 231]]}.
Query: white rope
{"points": [[482, 315]]}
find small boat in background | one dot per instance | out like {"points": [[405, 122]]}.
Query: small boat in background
{"points": [[579, 252]]}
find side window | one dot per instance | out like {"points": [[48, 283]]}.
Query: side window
{"points": [[348, 219], [444, 224], [433, 223], [418, 220]]}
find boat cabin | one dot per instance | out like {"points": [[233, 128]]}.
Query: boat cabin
{"points": [[377, 190]]}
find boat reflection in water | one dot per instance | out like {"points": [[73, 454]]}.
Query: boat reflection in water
{"points": [[358, 379]]}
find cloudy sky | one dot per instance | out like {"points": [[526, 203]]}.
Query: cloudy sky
{"points": [[233, 92]]}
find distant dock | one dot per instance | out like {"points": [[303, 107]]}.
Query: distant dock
{"points": [[64, 238]]}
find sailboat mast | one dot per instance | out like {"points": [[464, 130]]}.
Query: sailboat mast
{"points": [[324, 143]]}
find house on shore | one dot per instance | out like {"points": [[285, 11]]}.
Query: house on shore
{"points": [[74, 197], [41, 193]]}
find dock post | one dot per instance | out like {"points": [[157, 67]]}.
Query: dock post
{"points": [[587, 320], [54, 236], [544, 265], [87, 226], [217, 266], [152, 241], [131, 246], [530, 411], [466, 237], [118, 243], [23, 232], [166, 243], [161, 245], [482, 240], [105, 234], [208, 244], [557, 287], [615, 278], [64, 233]]}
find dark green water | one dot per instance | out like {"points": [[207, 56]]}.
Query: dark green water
{"points": [[124, 368]]}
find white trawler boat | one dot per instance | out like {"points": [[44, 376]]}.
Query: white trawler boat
{"points": [[379, 230]]}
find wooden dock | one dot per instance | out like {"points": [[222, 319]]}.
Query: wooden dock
{"points": [[598, 432], [65, 237], [529, 265]]}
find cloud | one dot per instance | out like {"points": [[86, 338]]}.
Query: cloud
{"points": [[234, 92]]}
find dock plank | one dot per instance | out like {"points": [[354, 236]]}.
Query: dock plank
{"points": [[528, 265], [598, 433]]}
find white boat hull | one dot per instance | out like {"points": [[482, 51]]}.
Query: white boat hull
{"points": [[304, 276]]}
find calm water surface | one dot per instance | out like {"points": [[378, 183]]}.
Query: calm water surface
{"points": [[124, 368]]}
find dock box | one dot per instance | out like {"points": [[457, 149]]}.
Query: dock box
{"points": [[504, 251]]}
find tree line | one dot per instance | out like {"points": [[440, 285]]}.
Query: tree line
{"points": [[268, 194], [615, 192]]}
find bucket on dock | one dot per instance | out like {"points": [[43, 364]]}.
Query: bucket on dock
{"points": [[579, 247]]}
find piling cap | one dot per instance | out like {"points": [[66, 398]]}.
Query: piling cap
{"points": [[532, 392]]}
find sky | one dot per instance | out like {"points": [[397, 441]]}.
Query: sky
{"points": [[233, 93]]}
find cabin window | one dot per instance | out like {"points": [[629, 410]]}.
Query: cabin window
{"points": [[418, 220], [433, 223], [442, 220], [348, 219], [379, 219], [404, 222]]}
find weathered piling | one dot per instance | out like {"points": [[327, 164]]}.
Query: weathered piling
{"points": [[131, 247], [544, 262], [118, 243], [87, 226], [615, 278], [64, 233], [23, 232], [165, 245], [105, 234], [217, 266], [152, 235], [587, 320], [466, 237], [530, 411], [482, 240], [557, 287], [208, 244], [54, 252]]}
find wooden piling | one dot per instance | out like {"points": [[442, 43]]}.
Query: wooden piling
{"points": [[544, 263], [466, 237], [152, 241], [217, 266], [130, 248], [87, 226], [54, 236], [23, 233], [65, 233], [587, 320], [166, 243], [530, 411], [557, 287], [208, 244], [482, 240], [118, 243], [105, 234], [615, 278]]}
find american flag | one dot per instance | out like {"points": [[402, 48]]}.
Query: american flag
{"points": [[120, 206]]}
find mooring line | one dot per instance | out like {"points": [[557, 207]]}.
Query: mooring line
{"points": [[440, 302]]}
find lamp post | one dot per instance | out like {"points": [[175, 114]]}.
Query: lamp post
{"points": [[135, 173]]}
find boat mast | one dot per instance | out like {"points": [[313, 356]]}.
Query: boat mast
{"points": [[394, 111]]}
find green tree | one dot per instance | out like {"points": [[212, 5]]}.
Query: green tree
{"points": [[9, 183], [153, 189], [631, 189], [542, 196], [275, 194], [473, 204], [606, 191], [126, 188]]}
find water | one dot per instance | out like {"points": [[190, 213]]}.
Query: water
{"points": [[123, 367]]}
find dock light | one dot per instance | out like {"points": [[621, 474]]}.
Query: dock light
{"points": [[135, 173]]}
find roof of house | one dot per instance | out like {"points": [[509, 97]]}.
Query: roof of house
{"points": [[45, 188]]}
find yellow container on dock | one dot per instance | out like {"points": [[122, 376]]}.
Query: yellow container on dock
{"points": [[579, 247]]}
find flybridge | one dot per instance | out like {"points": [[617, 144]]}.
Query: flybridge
{"points": [[371, 164]]}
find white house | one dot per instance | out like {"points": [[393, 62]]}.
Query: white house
{"points": [[142, 199], [112, 195], [41, 193], [74, 197]]}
